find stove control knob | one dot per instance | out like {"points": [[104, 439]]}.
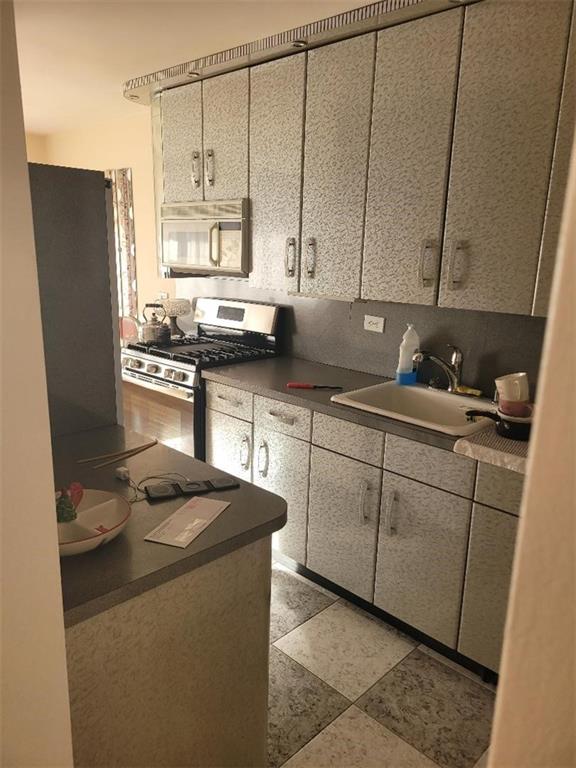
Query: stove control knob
{"points": [[169, 373], [135, 363], [151, 368], [180, 376]]}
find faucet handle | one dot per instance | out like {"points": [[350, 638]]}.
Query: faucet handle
{"points": [[457, 355]]}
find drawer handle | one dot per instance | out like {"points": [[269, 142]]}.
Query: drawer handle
{"points": [[231, 400], [428, 256], [290, 420], [311, 256], [195, 169], [209, 167], [245, 452], [363, 514], [458, 253], [263, 465], [389, 524], [290, 257]]}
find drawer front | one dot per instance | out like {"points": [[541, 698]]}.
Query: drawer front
{"points": [[229, 444], [225, 399], [433, 466], [282, 417], [498, 487], [352, 440]]}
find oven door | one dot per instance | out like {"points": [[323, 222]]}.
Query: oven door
{"points": [[202, 247], [171, 414]]}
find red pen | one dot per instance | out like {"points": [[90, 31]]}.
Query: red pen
{"points": [[305, 385]]}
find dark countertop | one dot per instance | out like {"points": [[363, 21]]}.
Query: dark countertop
{"points": [[269, 377], [95, 581]]}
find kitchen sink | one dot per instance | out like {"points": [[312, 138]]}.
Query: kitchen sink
{"points": [[420, 405]]}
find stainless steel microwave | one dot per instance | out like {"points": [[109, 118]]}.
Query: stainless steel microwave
{"points": [[204, 238]]}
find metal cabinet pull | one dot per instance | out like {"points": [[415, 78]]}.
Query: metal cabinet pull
{"points": [[209, 167], [363, 515], [389, 525], [230, 400], [196, 169], [245, 452], [263, 466], [290, 257], [214, 260], [290, 420], [428, 256], [457, 252], [311, 256]]}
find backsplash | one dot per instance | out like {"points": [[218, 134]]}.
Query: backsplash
{"points": [[332, 332]]}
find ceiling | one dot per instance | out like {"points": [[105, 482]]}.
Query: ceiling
{"points": [[75, 55]]}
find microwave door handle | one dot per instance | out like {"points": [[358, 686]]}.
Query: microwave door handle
{"points": [[214, 261]]}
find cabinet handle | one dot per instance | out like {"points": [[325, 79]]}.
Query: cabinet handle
{"points": [[389, 525], [263, 467], [290, 420], [245, 452], [311, 256], [230, 400], [290, 257], [457, 252], [214, 261], [196, 169], [363, 515], [209, 167], [427, 252]]}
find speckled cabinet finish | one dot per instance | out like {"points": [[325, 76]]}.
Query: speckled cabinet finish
{"points": [[354, 440], [343, 520], [509, 91], [558, 179], [430, 465], [499, 487], [282, 466], [229, 444], [225, 100], [421, 556], [150, 678], [488, 572], [230, 400], [181, 136], [414, 92], [338, 104], [276, 138], [283, 417]]}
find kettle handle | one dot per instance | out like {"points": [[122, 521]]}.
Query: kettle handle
{"points": [[154, 306]]}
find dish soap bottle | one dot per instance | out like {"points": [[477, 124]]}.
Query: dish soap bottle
{"points": [[405, 373]]}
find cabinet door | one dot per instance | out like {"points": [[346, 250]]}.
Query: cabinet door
{"points": [[343, 520], [414, 92], [338, 103], [276, 133], [421, 556], [229, 444], [225, 102], [182, 143], [508, 97], [282, 466], [492, 540]]}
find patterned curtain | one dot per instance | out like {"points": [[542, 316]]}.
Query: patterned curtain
{"points": [[121, 180]]}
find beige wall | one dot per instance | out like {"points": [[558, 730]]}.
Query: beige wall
{"points": [[535, 721], [36, 148], [35, 711], [124, 143]]}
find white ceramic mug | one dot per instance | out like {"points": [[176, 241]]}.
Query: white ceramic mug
{"points": [[514, 386]]}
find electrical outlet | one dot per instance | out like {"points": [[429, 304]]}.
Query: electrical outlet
{"points": [[374, 323], [163, 295]]}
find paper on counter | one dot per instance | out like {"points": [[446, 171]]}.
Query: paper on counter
{"points": [[188, 522]]}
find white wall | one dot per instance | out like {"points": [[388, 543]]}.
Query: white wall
{"points": [[535, 721], [35, 709]]}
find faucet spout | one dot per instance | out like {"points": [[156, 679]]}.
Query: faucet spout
{"points": [[452, 370]]}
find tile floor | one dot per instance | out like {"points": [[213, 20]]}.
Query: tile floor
{"points": [[347, 690]]}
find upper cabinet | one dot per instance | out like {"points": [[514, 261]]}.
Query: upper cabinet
{"points": [[205, 140], [338, 106], [511, 72], [276, 136], [414, 94]]}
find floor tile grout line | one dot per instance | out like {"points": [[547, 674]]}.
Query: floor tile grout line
{"points": [[305, 622], [315, 675]]}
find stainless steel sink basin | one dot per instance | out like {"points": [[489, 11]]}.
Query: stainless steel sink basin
{"points": [[420, 405]]}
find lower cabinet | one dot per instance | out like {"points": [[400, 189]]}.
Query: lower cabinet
{"points": [[422, 556], [490, 558], [229, 444], [343, 510], [282, 465]]}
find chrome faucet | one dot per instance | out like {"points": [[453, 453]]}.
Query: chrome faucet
{"points": [[453, 369]]}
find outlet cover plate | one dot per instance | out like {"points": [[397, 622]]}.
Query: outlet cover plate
{"points": [[374, 323]]}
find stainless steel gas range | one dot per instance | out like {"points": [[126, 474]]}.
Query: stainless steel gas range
{"points": [[227, 332]]}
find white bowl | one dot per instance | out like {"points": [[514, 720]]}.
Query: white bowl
{"points": [[101, 517]]}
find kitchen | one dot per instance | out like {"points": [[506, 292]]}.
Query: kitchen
{"points": [[356, 220]]}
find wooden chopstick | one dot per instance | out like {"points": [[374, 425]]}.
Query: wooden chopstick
{"points": [[119, 454], [126, 455]]}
